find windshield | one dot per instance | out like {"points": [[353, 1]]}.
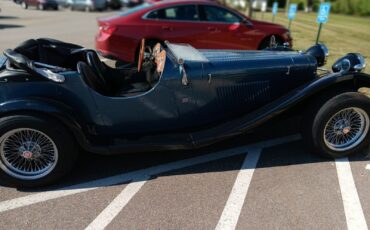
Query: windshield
{"points": [[135, 9], [2, 61], [186, 52]]}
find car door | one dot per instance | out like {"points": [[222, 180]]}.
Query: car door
{"points": [[177, 24], [148, 112], [227, 30]]}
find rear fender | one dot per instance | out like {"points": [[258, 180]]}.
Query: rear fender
{"points": [[59, 112]]}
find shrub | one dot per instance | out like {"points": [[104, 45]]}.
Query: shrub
{"points": [[363, 8], [352, 7], [300, 3], [281, 3], [316, 5]]}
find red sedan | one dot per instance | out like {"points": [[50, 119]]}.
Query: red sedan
{"points": [[203, 24]]}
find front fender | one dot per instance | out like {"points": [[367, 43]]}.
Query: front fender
{"points": [[280, 105]]}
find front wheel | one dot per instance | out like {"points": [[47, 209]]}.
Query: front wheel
{"points": [[34, 151], [266, 42], [340, 127]]}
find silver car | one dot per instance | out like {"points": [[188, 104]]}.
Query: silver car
{"points": [[87, 5]]}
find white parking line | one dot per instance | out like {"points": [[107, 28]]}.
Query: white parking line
{"points": [[37, 198], [367, 167], [125, 177], [115, 207], [351, 202], [230, 215]]}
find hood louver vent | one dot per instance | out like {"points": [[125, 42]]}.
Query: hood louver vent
{"points": [[244, 94]]}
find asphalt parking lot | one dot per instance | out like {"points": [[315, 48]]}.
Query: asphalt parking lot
{"points": [[253, 182]]}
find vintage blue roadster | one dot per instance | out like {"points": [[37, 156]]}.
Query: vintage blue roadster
{"points": [[56, 97]]}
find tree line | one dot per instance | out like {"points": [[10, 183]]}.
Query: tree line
{"points": [[351, 7]]}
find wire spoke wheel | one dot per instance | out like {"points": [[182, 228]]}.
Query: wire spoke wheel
{"points": [[346, 129], [27, 154]]}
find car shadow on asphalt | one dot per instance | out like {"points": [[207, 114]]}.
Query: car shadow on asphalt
{"points": [[92, 167], [8, 17], [9, 26]]}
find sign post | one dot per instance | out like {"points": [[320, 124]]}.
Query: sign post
{"points": [[263, 9], [275, 7], [292, 13], [322, 17]]}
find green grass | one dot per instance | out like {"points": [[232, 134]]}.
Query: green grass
{"points": [[342, 34]]}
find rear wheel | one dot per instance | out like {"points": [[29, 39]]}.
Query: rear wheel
{"points": [[340, 127], [34, 151]]}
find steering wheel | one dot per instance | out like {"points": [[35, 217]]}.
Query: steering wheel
{"points": [[141, 55]]}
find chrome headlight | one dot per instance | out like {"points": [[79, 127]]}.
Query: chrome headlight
{"points": [[350, 62], [362, 63]]}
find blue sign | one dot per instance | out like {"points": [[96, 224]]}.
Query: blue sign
{"points": [[292, 11], [323, 15], [275, 8]]}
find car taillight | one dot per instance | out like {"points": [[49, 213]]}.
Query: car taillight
{"points": [[107, 28]]}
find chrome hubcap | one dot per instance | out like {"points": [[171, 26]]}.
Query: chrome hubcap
{"points": [[27, 154], [346, 129]]}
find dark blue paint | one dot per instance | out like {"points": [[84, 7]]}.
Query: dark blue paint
{"points": [[232, 93]]}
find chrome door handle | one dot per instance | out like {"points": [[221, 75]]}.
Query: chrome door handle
{"points": [[167, 28], [288, 71]]}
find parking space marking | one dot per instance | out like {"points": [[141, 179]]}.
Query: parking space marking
{"points": [[115, 207], [367, 167], [37, 198], [126, 177], [352, 206], [230, 215]]}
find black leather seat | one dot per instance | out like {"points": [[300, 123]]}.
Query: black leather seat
{"points": [[92, 79], [115, 78], [119, 81]]}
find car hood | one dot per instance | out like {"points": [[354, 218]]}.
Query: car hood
{"points": [[259, 64], [267, 24], [215, 56]]}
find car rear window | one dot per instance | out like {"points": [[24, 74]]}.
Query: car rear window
{"points": [[135, 9], [183, 13]]}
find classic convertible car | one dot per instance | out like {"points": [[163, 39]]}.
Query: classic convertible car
{"points": [[56, 96]]}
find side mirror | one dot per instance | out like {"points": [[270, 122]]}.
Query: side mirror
{"points": [[246, 22]]}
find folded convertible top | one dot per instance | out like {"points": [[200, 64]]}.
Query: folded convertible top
{"points": [[49, 51], [34, 68]]}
